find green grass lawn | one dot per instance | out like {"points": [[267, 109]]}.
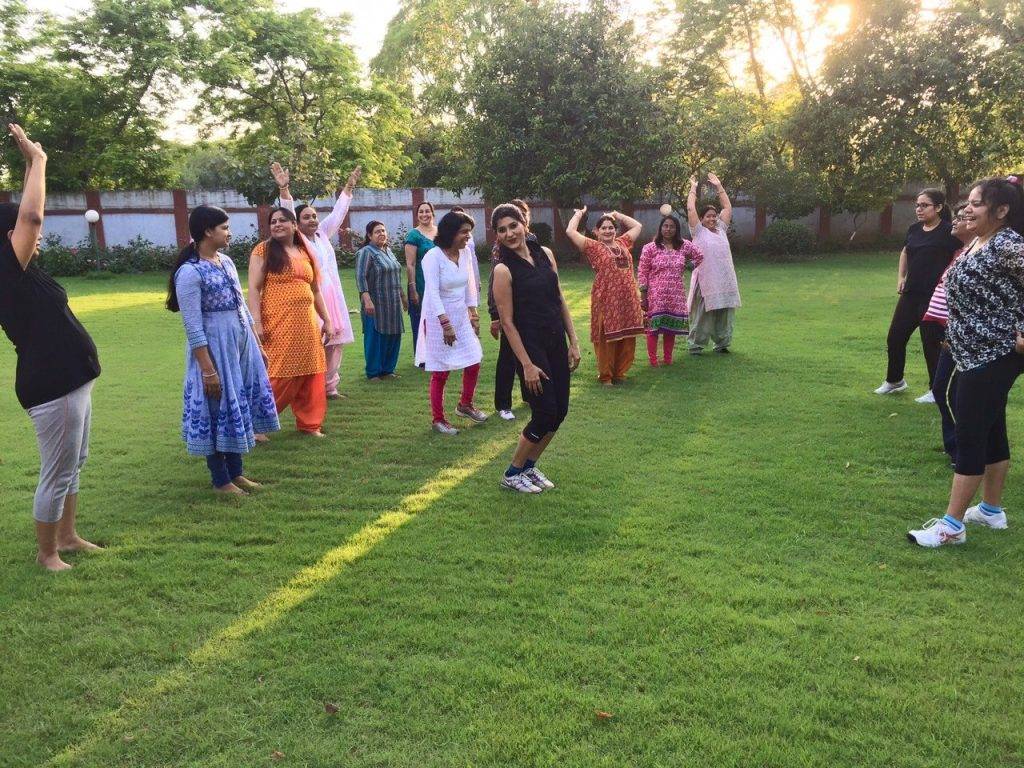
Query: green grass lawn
{"points": [[722, 569]]}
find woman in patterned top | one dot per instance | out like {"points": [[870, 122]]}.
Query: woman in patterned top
{"points": [[616, 318], [228, 399], [285, 300], [985, 294], [379, 282], [663, 289]]}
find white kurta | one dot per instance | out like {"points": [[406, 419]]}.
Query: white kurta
{"points": [[449, 289], [330, 281]]}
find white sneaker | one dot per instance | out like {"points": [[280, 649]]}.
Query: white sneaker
{"points": [[537, 478], [888, 389], [976, 515], [927, 397], [507, 415], [935, 533], [520, 483]]}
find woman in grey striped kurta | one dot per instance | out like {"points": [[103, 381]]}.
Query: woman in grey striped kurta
{"points": [[379, 281]]}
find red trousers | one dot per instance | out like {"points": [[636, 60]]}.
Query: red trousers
{"points": [[307, 395], [437, 381]]}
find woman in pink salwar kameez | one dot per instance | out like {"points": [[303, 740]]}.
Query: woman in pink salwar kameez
{"points": [[714, 292]]}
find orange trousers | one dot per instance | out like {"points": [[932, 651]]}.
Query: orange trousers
{"points": [[307, 395], [614, 358]]}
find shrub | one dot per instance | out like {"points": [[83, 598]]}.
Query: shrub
{"points": [[62, 260], [544, 233], [784, 238], [240, 248], [483, 251]]}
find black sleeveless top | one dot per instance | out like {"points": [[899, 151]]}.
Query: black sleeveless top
{"points": [[536, 300]]}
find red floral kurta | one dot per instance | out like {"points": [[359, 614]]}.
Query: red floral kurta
{"points": [[615, 297]]}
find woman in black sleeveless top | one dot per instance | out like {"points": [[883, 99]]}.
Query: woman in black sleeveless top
{"points": [[536, 322]]}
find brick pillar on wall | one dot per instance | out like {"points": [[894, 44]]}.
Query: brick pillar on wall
{"points": [[885, 221], [824, 223], [262, 214], [93, 201], [417, 198], [344, 236], [181, 232], [488, 209], [760, 221]]}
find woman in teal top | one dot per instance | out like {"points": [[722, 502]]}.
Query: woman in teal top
{"points": [[419, 240]]}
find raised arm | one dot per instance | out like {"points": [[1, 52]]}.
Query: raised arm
{"points": [[632, 227], [691, 206], [725, 214], [572, 230], [33, 197], [332, 222], [283, 180]]}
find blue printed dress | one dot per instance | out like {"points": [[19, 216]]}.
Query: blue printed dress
{"points": [[216, 316]]}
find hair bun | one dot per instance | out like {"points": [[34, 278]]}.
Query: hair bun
{"points": [[1015, 180]]}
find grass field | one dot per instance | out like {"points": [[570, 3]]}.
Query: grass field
{"points": [[722, 569]]}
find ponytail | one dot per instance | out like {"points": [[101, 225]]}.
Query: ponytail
{"points": [[188, 253], [938, 197]]}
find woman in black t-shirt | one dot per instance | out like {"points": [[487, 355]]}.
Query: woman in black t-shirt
{"points": [[926, 253], [57, 363]]}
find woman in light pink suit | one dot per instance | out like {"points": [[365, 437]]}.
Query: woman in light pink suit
{"points": [[714, 292], [318, 236]]}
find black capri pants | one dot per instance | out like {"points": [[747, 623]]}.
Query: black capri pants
{"points": [[549, 352], [980, 413]]}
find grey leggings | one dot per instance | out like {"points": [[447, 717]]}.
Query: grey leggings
{"points": [[62, 429]]}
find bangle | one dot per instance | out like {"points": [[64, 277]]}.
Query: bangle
{"points": [[209, 375]]}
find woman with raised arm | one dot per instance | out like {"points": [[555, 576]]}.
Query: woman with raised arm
{"points": [[57, 363], [449, 326], [663, 287], [536, 321], [714, 292], [318, 236], [228, 399], [616, 318], [417, 243], [379, 282], [285, 300]]}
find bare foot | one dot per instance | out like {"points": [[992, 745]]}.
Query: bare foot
{"points": [[246, 484], [230, 490], [318, 433], [52, 562], [77, 544], [262, 439]]}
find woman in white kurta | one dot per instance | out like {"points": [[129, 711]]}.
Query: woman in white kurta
{"points": [[449, 325], [318, 236]]}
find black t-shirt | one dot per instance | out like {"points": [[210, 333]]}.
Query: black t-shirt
{"points": [[928, 255], [55, 353]]}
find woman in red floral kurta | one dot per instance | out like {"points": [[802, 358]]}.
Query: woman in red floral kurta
{"points": [[616, 318]]}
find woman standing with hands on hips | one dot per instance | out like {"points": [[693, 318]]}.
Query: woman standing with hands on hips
{"points": [[536, 321], [450, 326], [417, 243], [616, 318], [379, 282], [228, 399], [714, 291], [285, 300]]}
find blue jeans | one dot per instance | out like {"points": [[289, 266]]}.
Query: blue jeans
{"points": [[224, 467]]}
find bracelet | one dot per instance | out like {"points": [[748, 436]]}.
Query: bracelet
{"points": [[209, 375]]}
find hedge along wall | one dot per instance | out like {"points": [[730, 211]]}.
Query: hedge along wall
{"points": [[161, 216]]}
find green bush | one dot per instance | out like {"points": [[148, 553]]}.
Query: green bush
{"points": [[62, 260], [544, 233], [784, 238]]}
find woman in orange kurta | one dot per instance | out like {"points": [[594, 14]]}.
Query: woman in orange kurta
{"points": [[285, 300], [616, 318]]}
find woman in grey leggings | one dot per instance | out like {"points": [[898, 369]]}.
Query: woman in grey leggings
{"points": [[57, 363]]}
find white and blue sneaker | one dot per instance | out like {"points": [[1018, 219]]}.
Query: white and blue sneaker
{"points": [[936, 533], [977, 515], [520, 483], [507, 415], [537, 477]]}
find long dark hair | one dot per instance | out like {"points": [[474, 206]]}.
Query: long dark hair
{"points": [[677, 237], [202, 218], [448, 227], [938, 197], [1006, 191], [277, 254]]}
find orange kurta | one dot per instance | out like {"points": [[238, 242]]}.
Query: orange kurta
{"points": [[290, 322], [615, 311]]}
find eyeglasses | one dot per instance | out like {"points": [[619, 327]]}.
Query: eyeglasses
{"points": [[926, 205]]}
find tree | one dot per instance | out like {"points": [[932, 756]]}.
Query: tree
{"points": [[559, 105], [292, 90], [94, 90]]}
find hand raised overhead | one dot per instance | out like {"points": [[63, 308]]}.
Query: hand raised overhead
{"points": [[281, 175]]}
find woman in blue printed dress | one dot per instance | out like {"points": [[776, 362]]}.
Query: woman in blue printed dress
{"points": [[228, 399]]}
